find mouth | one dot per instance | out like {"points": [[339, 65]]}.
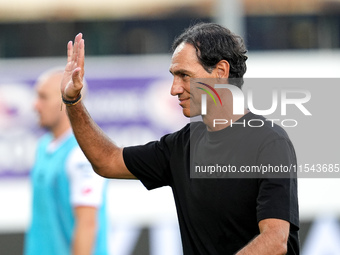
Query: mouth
{"points": [[183, 101]]}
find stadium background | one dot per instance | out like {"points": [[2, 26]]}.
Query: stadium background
{"points": [[127, 47]]}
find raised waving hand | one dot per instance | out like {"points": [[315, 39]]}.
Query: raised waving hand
{"points": [[72, 81]]}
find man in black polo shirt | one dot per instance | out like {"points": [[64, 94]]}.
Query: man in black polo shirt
{"points": [[216, 215]]}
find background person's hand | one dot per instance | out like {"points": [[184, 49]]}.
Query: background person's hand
{"points": [[72, 81]]}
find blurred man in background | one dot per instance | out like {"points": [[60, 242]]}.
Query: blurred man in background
{"points": [[68, 210]]}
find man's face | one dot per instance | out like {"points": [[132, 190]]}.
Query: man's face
{"points": [[48, 100], [184, 67]]}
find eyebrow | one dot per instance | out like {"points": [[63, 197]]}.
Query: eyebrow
{"points": [[180, 71]]}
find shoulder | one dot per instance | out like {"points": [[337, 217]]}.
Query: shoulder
{"points": [[269, 131], [76, 156], [45, 140], [72, 141], [77, 162], [42, 144], [183, 135], [197, 127], [190, 128], [166, 144]]}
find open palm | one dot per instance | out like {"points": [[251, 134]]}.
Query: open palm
{"points": [[72, 81]]}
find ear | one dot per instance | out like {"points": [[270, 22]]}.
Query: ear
{"points": [[222, 69]]}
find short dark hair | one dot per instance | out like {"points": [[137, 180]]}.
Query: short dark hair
{"points": [[214, 43]]}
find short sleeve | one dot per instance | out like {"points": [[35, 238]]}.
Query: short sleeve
{"points": [[86, 187], [149, 163], [277, 197]]}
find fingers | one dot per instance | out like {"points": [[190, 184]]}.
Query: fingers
{"points": [[77, 79], [74, 71], [69, 51], [78, 38], [75, 52], [72, 50], [81, 54]]}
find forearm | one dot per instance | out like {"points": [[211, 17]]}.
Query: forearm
{"points": [[85, 230], [106, 158], [84, 239], [272, 239], [264, 244], [102, 153]]}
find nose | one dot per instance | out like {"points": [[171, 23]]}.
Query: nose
{"points": [[177, 87], [36, 104]]}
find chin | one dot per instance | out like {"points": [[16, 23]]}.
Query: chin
{"points": [[189, 114], [186, 112], [44, 125]]}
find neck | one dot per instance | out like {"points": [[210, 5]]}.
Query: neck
{"points": [[221, 120], [60, 130]]}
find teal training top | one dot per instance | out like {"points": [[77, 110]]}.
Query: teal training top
{"points": [[52, 224]]}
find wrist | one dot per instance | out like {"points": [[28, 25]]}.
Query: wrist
{"points": [[73, 101]]}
